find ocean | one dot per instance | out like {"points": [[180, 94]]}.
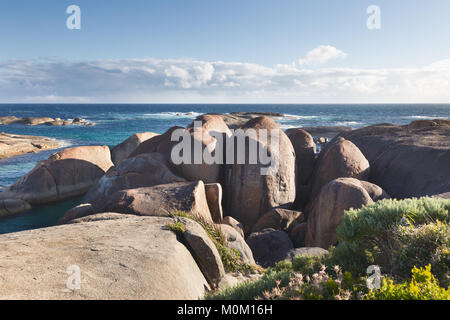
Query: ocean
{"points": [[115, 122]]}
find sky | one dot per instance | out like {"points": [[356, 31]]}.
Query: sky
{"points": [[216, 51]]}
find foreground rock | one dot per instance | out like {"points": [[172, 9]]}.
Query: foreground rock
{"points": [[122, 151], [204, 251], [328, 208], [145, 170], [248, 192], [12, 145], [162, 200], [407, 161], [339, 159], [127, 258], [269, 246], [66, 174]]}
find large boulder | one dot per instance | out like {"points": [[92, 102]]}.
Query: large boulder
{"points": [[278, 219], [298, 234], [269, 246], [123, 150], [305, 159], [339, 159], [327, 209], [407, 161], [127, 258], [251, 189], [235, 240], [162, 200], [205, 137], [144, 170], [66, 174], [161, 143], [10, 207]]}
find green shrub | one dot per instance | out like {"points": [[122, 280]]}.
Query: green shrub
{"points": [[395, 235], [253, 289], [177, 227], [422, 286]]}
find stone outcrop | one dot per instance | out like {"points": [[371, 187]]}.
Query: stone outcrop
{"points": [[327, 209], [66, 174], [253, 189], [162, 200], [339, 159], [127, 258], [407, 161], [204, 251], [12, 145], [36, 121], [298, 234], [269, 246], [123, 150], [80, 211], [145, 170]]}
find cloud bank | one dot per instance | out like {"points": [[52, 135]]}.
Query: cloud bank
{"points": [[189, 81], [321, 55]]}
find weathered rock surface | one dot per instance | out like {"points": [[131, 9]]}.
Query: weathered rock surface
{"points": [[145, 170], [204, 251], [214, 198], [161, 200], [303, 252], [407, 161], [123, 150], [128, 258], [236, 225], [328, 208], [10, 207], [269, 246], [278, 219], [66, 174], [235, 120], [200, 154], [339, 159], [236, 241], [161, 144], [325, 131], [250, 192], [14, 145]]}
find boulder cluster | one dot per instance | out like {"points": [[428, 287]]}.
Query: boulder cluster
{"points": [[266, 218], [47, 121]]}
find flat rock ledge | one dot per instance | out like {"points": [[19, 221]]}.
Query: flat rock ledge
{"points": [[12, 145], [126, 257]]}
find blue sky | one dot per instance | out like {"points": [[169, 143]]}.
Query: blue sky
{"points": [[251, 38]]}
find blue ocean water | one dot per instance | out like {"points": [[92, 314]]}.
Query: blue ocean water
{"points": [[116, 122]]}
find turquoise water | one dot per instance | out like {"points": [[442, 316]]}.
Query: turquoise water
{"points": [[114, 123]]}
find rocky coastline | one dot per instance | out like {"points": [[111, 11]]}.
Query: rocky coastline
{"points": [[13, 144], [143, 229]]}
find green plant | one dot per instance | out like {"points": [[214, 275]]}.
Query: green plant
{"points": [[395, 235], [177, 227], [422, 286]]}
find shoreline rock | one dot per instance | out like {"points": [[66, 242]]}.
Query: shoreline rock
{"points": [[12, 145], [47, 121]]}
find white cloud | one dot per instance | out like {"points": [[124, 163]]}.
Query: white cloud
{"points": [[184, 80], [321, 55]]}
